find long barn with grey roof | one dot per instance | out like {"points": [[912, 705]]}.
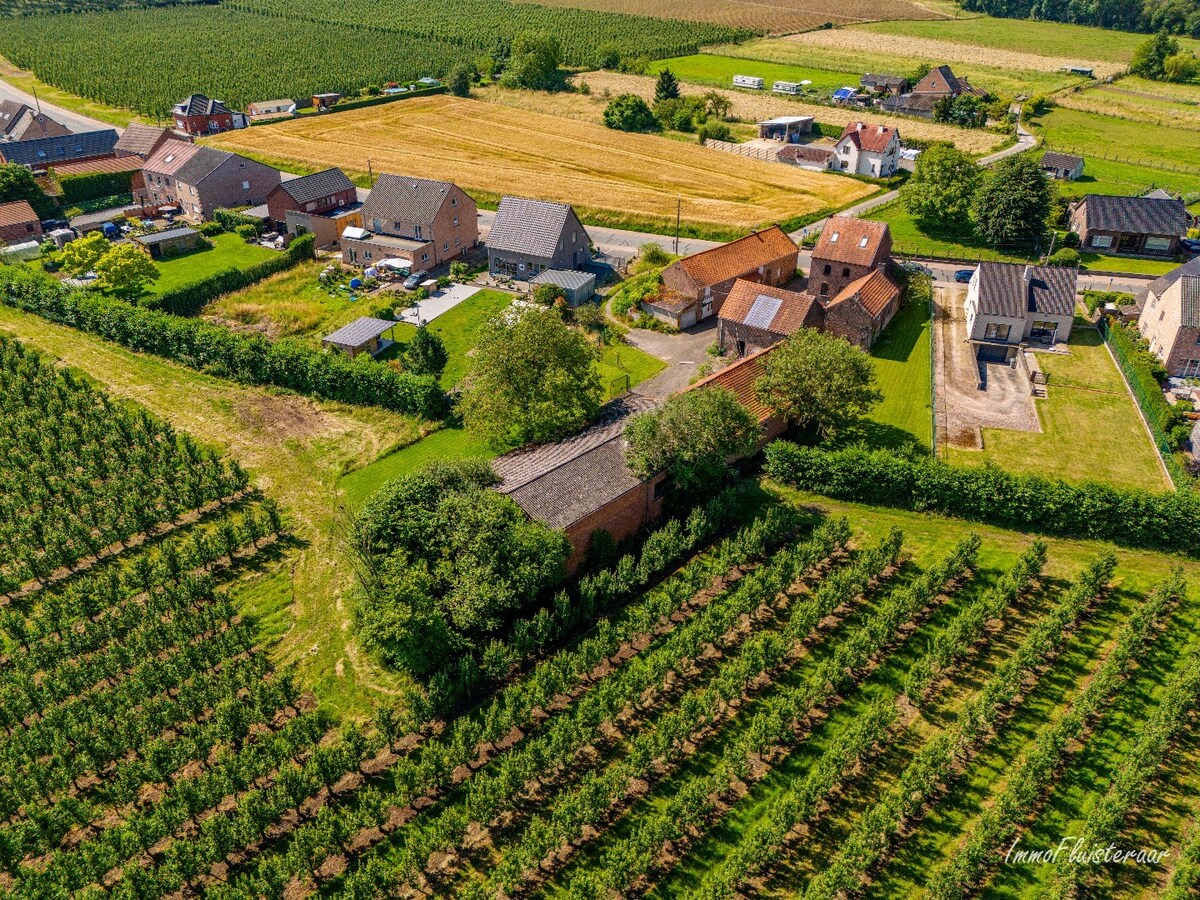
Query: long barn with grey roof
{"points": [[42, 153], [531, 236]]}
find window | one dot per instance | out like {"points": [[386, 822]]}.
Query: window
{"points": [[863, 241], [424, 257], [445, 246], [366, 254], [824, 289], [28, 227], [845, 272], [1158, 244], [1191, 368], [659, 488], [417, 231], [1103, 241], [834, 239], [457, 242], [1162, 315], [996, 331], [245, 185], [828, 268], [454, 202], [456, 221]]}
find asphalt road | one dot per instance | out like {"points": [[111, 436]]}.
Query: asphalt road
{"points": [[72, 120]]}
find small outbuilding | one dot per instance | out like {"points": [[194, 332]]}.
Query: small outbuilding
{"points": [[785, 128], [1062, 166], [61, 237], [168, 243], [364, 334], [325, 101], [577, 287]]}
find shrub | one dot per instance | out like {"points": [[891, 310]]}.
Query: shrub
{"points": [[717, 131], [231, 219], [989, 494], [629, 112], [93, 186], [247, 233], [211, 229], [1065, 256]]}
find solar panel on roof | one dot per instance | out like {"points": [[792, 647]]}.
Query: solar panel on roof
{"points": [[763, 311]]}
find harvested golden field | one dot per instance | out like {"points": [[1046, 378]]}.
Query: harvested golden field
{"points": [[1134, 106], [756, 107], [774, 16], [611, 176], [871, 42]]}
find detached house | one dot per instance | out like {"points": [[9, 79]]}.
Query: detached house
{"points": [[201, 115], [1170, 319], [936, 85], [20, 122], [871, 150], [310, 204], [1011, 303], [1139, 225], [416, 221], [530, 236], [695, 287], [200, 180], [847, 250]]}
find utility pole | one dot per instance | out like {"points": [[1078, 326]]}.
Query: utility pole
{"points": [[36, 101], [678, 212], [370, 173]]}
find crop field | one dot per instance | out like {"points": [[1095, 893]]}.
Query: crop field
{"points": [[606, 174], [755, 106], [845, 50], [775, 16], [340, 48], [1048, 39], [1123, 100]]}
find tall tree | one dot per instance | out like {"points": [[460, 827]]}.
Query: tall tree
{"points": [[459, 80], [125, 270], [629, 112], [426, 354], [81, 255], [17, 183], [667, 86], [691, 437], [818, 380], [1149, 59], [1013, 203], [939, 193], [532, 379], [533, 63]]}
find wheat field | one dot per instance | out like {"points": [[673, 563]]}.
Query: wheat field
{"points": [[493, 149], [753, 107], [863, 41], [773, 16]]}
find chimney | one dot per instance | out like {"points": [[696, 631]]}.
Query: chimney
{"points": [[1027, 276], [858, 126]]}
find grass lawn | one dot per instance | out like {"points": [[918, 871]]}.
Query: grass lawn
{"points": [[624, 366], [1090, 426], [295, 450], [902, 365], [228, 251], [1025, 35], [290, 304], [444, 444], [1160, 150], [457, 328], [1106, 176]]}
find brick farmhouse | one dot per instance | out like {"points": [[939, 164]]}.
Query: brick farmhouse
{"points": [[421, 222], [200, 180]]}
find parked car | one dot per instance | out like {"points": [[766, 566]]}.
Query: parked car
{"points": [[411, 282], [110, 231], [54, 224], [916, 268], [1190, 245], [964, 276]]}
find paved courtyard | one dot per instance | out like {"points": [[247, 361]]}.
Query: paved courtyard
{"points": [[972, 395], [684, 354]]}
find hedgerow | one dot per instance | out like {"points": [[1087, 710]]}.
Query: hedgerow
{"points": [[988, 494]]}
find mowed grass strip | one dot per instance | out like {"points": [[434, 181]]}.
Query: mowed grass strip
{"points": [[1091, 429], [485, 147], [228, 251]]}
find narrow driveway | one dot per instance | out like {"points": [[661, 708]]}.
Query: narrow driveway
{"points": [[73, 120], [684, 354]]}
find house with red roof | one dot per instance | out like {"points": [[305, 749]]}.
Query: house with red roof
{"points": [[757, 316], [871, 150], [695, 287]]}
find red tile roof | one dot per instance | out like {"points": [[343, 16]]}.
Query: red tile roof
{"points": [[737, 257], [171, 157], [801, 153], [846, 239], [89, 166], [871, 138], [796, 310], [18, 212], [739, 378], [875, 291]]}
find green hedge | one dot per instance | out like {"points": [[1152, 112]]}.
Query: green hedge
{"points": [[248, 358], [230, 219], [988, 494], [346, 105], [92, 186], [191, 298]]}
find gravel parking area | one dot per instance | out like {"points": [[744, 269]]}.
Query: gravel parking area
{"points": [[972, 395]]}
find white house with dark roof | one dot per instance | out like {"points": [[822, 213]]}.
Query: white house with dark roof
{"points": [[1009, 304], [418, 220], [530, 236], [871, 150]]}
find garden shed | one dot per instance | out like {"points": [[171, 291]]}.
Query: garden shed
{"points": [[363, 334], [577, 287], [169, 243]]}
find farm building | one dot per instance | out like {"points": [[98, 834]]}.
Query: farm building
{"points": [[1062, 166], [577, 287], [40, 154], [325, 101], [807, 157], [757, 316], [785, 128], [696, 286], [582, 484], [364, 335], [848, 249], [18, 222], [938, 83], [863, 308], [169, 243], [270, 109], [1138, 225], [425, 222], [739, 379], [889, 84], [530, 236], [871, 150], [1011, 303], [141, 141], [1170, 319]]}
